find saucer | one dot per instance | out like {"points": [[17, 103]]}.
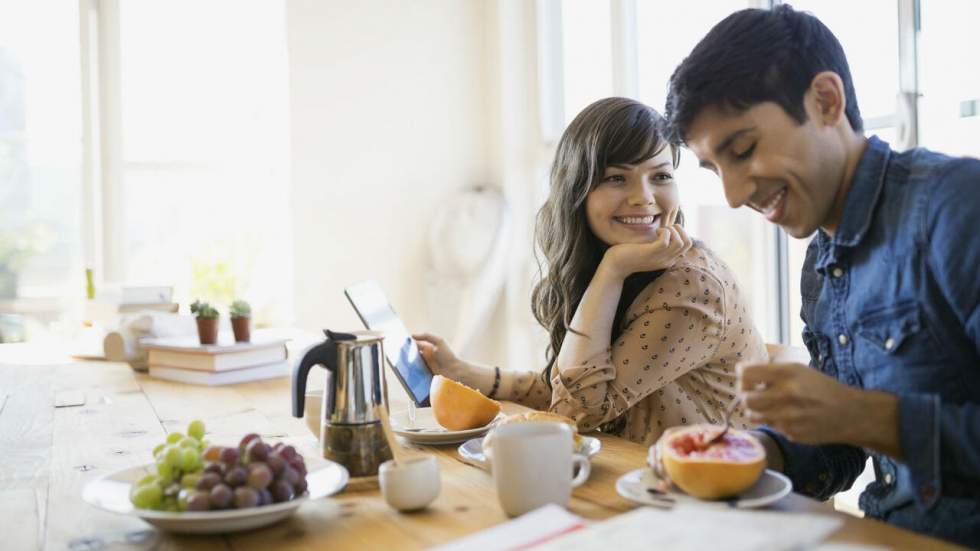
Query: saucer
{"points": [[472, 450], [425, 429], [111, 493], [634, 485]]}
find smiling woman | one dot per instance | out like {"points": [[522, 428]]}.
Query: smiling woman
{"points": [[646, 326]]}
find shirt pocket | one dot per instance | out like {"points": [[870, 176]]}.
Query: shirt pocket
{"points": [[896, 351]]}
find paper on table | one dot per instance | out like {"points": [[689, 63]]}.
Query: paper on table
{"points": [[696, 528], [523, 532]]}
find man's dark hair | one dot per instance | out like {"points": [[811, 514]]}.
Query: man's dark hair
{"points": [[753, 56]]}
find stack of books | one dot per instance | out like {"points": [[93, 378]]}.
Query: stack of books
{"points": [[112, 302], [186, 360]]}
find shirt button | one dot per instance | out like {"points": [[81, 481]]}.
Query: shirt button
{"points": [[927, 491], [842, 339], [838, 272], [889, 343], [889, 479]]}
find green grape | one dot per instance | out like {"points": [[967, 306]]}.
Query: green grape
{"points": [[196, 429], [158, 449], [174, 437], [148, 496], [165, 473], [182, 499], [188, 442], [172, 454], [189, 480], [169, 504], [189, 459], [148, 479]]}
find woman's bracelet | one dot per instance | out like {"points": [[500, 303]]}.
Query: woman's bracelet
{"points": [[496, 382]]}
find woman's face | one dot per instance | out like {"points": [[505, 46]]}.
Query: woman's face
{"points": [[629, 202]]}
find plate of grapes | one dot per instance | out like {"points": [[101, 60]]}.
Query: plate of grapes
{"points": [[193, 487]]}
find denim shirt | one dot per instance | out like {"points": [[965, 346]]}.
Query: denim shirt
{"points": [[891, 302]]}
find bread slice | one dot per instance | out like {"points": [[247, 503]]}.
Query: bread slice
{"points": [[533, 417]]}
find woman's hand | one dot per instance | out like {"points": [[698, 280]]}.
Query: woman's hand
{"points": [[671, 242], [443, 361], [438, 355]]}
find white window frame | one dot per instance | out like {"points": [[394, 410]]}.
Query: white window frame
{"points": [[625, 70]]}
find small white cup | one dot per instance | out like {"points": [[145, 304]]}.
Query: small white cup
{"points": [[410, 485], [533, 464]]}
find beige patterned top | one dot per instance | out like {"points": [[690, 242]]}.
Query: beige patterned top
{"points": [[674, 363]]}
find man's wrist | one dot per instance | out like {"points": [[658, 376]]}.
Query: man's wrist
{"points": [[877, 427], [774, 455]]}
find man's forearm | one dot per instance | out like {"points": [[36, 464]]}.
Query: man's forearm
{"points": [[876, 423]]}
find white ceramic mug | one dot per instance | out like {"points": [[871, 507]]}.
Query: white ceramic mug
{"points": [[410, 485], [532, 466]]}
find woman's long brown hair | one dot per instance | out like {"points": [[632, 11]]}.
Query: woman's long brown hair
{"points": [[608, 132]]}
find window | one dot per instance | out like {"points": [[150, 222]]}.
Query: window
{"points": [[911, 69], [203, 195], [662, 43], [949, 77], [40, 163]]}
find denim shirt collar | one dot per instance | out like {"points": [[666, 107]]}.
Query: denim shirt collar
{"points": [[859, 205]]}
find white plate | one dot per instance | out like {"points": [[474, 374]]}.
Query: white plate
{"points": [[425, 429], [472, 450], [771, 487], [111, 493]]}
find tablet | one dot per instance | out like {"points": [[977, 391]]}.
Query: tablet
{"points": [[402, 353]]}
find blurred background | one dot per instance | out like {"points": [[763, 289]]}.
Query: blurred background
{"points": [[281, 150]]}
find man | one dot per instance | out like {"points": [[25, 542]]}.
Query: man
{"points": [[891, 291]]}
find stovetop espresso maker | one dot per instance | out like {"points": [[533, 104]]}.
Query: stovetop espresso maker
{"points": [[350, 427]]}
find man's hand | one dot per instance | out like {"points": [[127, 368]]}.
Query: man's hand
{"points": [[812, 408]]}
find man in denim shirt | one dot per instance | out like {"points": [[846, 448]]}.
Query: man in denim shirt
{"points": [[891, 290]]}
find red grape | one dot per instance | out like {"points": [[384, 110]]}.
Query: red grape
{"points": [[259, 475], [208, 481], [257, 450], [198, 501], [247, 439], [236, 477], [220, 497], [275, 463], [229, 455], [212, 453], [246, 497], [281, 491]]}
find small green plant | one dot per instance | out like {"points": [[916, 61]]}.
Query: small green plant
{"points": [[240, 309], [203, 310]]}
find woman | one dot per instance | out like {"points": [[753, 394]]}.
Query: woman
{"points": [[645, 326]]}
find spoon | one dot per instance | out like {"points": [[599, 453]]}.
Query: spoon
{"points": [[728, 423], [397, 455]]}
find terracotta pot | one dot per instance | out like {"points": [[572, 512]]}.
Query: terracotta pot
{"points": [[241, 328], [207, 330]]}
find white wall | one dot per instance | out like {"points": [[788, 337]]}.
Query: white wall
{"points": [[391, 110]]}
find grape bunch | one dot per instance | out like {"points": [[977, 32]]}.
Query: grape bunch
{"points": [[250, 475]]}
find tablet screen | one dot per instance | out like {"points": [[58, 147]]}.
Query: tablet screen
{"points": [[376, 313]]}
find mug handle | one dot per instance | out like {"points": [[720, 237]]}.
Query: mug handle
{"points": [[584, 468]]}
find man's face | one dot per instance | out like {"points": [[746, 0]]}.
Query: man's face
{"points": [[788, 172]]}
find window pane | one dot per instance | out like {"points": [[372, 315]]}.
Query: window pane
{"points": [[868, 31], [40, 159], [949, 76], [742, 237], [586, 53], [665, 37], [797, 254], [205, 131]]}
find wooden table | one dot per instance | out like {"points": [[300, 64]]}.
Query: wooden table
{"points": [[47, 454]]}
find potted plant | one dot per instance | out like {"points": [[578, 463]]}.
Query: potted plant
{"points": [[241, 317], [207, 322]]}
